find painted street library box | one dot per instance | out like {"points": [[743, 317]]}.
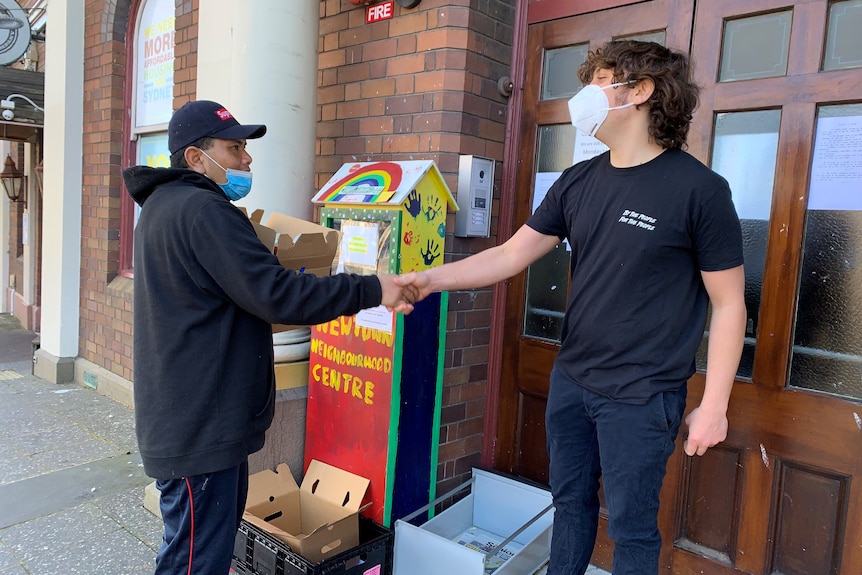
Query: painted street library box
{"points": [[375, 379]]}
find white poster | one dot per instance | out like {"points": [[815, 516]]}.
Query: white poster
{"points": [[154, 64], [836, 168], [378, 318], [544, 181], [359, 245]]}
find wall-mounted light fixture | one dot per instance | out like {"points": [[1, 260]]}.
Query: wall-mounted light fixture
{"points": [[12, 179], [7, 106]]}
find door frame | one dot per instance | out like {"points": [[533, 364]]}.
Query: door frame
{"points": [[527, 12]]}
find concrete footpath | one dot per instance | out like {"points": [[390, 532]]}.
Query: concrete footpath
{"points": [[71, 480]]}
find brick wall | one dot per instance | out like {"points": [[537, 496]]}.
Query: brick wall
{"points": [[105, 313], [423, 85], [186, 52], [106, 297]]}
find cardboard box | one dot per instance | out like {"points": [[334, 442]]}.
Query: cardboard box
{"points": [[299, 245], [498, 505], [290, 375], [318, 519]]}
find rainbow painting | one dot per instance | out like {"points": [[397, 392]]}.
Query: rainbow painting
{"points": [[372, 183]]}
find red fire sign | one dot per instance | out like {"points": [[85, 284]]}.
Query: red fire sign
{"points": [[378, 12]]}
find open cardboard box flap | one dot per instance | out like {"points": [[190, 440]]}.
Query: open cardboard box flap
{"points": [[316, 520], [303, 245]]}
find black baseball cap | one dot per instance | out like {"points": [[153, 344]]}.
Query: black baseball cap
{"points": [[204, 118]]}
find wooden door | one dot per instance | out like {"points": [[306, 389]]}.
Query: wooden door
{"points": [[781, 119], [779, 496], [536, 299]]}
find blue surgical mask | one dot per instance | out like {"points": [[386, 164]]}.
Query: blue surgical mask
{"points": [[238, 183]]}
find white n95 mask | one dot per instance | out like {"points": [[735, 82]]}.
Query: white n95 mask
{"points": [[589, 107]]}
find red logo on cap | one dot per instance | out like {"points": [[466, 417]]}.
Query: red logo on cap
{"points": [[223, 114]]}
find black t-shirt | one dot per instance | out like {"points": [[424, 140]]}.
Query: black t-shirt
{"points": [[639, 239]]}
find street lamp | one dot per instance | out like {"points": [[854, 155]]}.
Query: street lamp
{"points": [[38, 171], [12, 179]]}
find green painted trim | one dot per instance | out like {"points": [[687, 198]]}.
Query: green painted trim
{"points": [[394, 418], [435, 427], [395, 247]]}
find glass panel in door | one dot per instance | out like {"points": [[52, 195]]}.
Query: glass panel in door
{"points": [[744, 152], [659, 37], [561, 71], [843, 40], [548, 278], [827, 341], [755, 46]]}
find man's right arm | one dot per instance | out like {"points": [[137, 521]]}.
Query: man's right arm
{"points": [[485, 268]]}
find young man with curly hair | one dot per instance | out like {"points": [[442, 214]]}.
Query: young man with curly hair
{"points": [[654, 238]]}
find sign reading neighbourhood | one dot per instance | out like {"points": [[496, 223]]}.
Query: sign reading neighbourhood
{"points": [[350, 400]]}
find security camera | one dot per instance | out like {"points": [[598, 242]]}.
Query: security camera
{"points": [[8, 114]]}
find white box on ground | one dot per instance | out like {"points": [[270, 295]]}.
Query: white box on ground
{"points": [[497, 505]]}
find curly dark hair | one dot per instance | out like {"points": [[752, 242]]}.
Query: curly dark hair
{"points": [[675, 96]]}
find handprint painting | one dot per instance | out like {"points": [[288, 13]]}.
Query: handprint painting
{"points": [[416, 188]]}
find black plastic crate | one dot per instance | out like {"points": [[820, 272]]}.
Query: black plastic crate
{"points": [[242, 546], [236, 569], [259, 553]]}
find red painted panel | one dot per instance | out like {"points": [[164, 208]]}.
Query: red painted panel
{"points": [[350, 402]]}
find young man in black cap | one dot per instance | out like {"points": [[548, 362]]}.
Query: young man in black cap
{"points": [[206, 292]]}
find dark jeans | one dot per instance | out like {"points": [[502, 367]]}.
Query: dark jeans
{"points": [[201, 516], [628, 445]]}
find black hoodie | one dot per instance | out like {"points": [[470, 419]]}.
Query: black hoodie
{"points": [[206, 292]]}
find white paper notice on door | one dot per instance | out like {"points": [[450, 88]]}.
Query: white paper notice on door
{"points": [[836, 168], [544, 181], [586, 147]]}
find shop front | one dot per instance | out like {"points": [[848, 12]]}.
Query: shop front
{"points": [[780, 118]]}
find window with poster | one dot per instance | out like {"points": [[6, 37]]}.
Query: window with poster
{"points": [[150, 63]]}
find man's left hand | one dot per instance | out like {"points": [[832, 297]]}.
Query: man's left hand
{"points": [[705, 429]]}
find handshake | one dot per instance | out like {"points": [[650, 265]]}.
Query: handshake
{"points": [[401, 292]]}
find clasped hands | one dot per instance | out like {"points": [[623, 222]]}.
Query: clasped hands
{"points": [[401, 292]]}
